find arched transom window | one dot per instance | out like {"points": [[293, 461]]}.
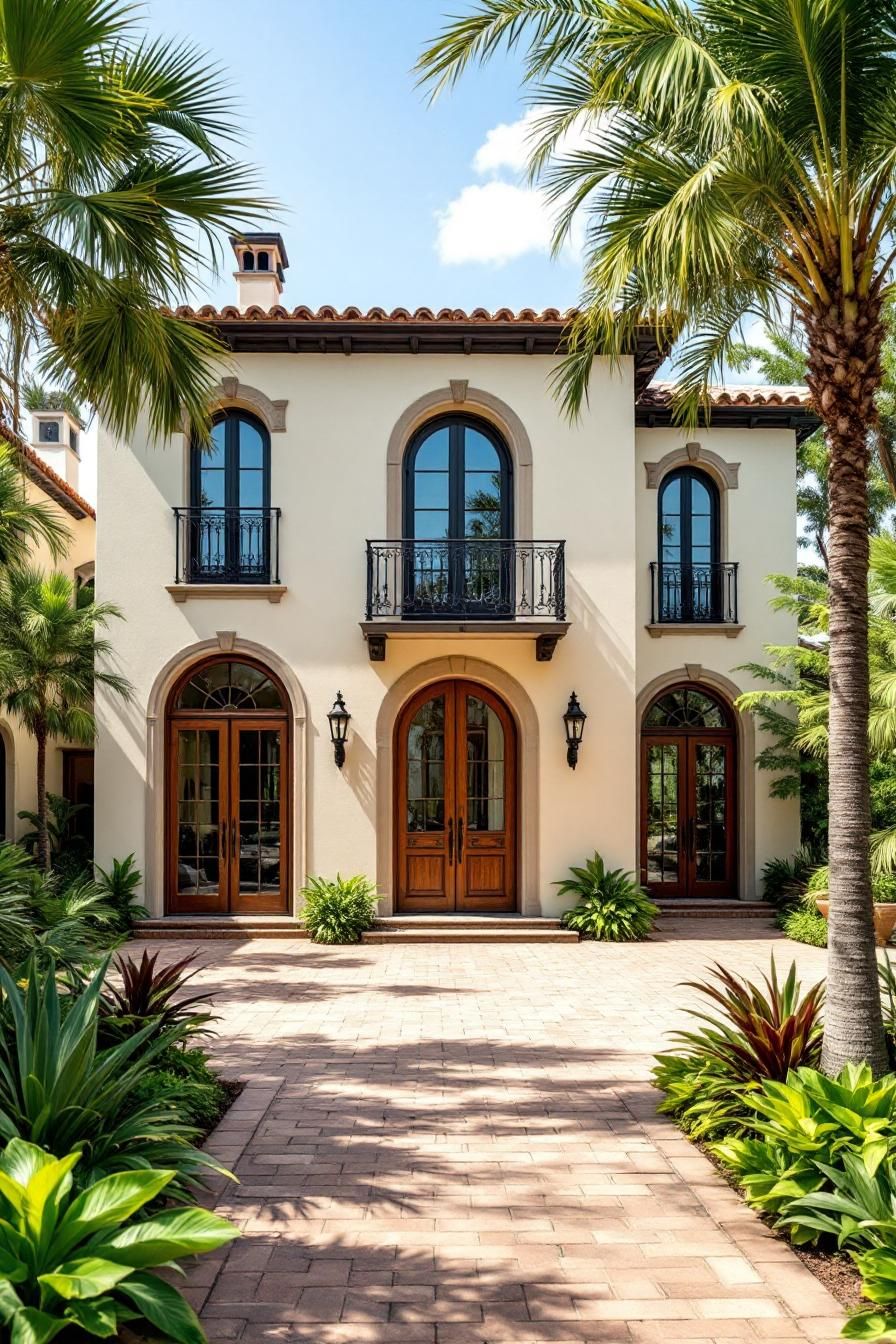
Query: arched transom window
{"points": [[457, 482], [230, 685]]}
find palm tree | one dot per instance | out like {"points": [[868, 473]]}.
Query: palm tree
{"points": [[25, 522], [740, 158], [47, 666], [114, 183]]}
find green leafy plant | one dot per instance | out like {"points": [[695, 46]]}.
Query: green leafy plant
{"points": [[784, 881], [80, 1262], [878, 1270], [610, 905], [883, 886], [152, 993], [858, 1208], [59, 1090], [338, 910], [184, 1073], [119, 886], [805, 926], [701, 1094], [761, 1032]]}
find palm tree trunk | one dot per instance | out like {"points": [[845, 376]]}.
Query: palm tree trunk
{"points": [[844, 373], [43, 835]]}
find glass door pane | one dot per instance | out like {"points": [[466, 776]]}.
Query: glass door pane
{"points": [[200, 819], [663, 860], [710, 802], [258, 848], [485, 767], [426, 767]]}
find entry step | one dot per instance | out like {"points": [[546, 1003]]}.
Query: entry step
{"points": [[469, 929], [200, 927], [712, 909]]}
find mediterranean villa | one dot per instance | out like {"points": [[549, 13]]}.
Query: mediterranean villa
{"points": [[403, 618]]}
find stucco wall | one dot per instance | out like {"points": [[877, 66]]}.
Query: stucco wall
{"points": [[329, 477]]}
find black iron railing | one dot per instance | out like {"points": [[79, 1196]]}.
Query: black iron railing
{"points": [[227, 545], [485, 578], [693, 594]]}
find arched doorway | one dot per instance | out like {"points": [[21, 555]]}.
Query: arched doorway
{"points": [[455, 801], [688, 795], [227, 806]]}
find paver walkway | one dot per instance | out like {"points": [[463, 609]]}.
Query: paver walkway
{"points": [[454, 1144]]}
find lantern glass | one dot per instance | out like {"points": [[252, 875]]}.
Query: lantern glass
{"points": [[339, 719]]}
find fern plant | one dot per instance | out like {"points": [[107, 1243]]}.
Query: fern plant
{"points": [[340, 909], [611, 906]]}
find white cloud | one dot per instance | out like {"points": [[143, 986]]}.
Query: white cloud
{"points": [[500, 220], [495, 223]]}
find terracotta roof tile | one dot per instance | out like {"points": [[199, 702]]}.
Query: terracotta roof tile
{"points": [[48, 480], [659, 395], [230, 313]]}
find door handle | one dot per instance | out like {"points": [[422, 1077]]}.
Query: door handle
{"points": [[223, 839], [460, 839], [450, 841]]}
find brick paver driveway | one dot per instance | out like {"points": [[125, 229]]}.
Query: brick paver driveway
{"points": [[455, 1144]]}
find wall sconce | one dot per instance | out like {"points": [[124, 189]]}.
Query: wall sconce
{"points": [[339, 719], [574, 719]]}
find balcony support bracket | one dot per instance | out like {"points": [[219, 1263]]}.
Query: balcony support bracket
{"points": [[545, 635]]}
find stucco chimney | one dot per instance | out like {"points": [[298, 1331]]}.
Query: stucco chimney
{"points": [[55, 437], [261, 261]]}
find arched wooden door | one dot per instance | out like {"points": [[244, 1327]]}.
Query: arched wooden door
{"points": [[227, 848], [688, 795], [455, 801]]}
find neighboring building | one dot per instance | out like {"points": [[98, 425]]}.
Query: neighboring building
{"points": [[395, 508], [50, 465]]}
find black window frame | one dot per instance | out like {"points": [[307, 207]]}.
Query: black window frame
{"points": [[233, 572], [457, 425], [699, 597]]}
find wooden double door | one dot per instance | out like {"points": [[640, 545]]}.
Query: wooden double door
{"points": [[456, 790], [227, 814], [688, 814]]}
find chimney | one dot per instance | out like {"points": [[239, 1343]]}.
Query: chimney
{"points": [[261, 261], [55, 437]]}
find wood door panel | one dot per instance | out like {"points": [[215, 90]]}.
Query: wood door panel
{"points": [[455, 801], [259, 828]]}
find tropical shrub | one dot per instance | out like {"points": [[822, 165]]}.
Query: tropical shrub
{"points": [[883, 886], [760, 1033], [805, 926], [340, 909], [59, 1090], [858, 1208], [878, 1270], [611, 906], [183, 1072], [701, 1094], [152, 993], [67, 850], [784, 881], [80, 1262], [118, 887]]}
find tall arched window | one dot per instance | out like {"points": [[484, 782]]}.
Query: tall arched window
{"points": [[688, 547], [230, 505], [458, 509]]}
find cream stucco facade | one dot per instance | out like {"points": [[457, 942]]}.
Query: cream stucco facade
{"points": [[338, 427]]}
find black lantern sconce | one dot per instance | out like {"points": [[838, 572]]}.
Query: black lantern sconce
{"points": [[574, 719], [339, 720]]}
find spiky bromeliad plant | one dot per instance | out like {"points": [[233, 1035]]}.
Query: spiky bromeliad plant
{"points": [[610, 905], [735, 158]]}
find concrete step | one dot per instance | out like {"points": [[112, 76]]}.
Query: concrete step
{"points": [[465, 928], [713, 909], [201, 927]]}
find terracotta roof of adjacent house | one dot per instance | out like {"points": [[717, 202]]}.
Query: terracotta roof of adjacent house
{"points": [[49, 481], [759, 406]]}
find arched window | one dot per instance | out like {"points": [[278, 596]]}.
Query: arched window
{"points": [[228, 684], [230, 505], [688, 547], [264, 261], [248, 261], [458, 509]]}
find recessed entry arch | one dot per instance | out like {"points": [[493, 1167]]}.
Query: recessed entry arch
{"points": [[228, 780]]}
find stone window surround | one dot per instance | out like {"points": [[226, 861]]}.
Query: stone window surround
{"points": [[459, 396]]}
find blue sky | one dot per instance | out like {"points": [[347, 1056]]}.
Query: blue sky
{"points": [[382, 201]]}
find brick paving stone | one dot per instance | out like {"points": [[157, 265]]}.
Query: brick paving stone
{"points": [[459, 1144]]}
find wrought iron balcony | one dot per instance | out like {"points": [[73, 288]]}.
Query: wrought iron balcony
{"points": [[227, 545], [474, 577], [693, 594]]}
